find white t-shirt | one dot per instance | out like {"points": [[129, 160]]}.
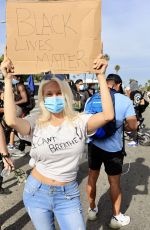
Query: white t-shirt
{"points": [[57, 149]]}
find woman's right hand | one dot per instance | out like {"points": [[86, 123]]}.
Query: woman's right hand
{"points": [[8, 163], [7, 68]]}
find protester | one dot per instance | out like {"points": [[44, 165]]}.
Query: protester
{"points": [[5, 161], [83, 93], [7, 130], [24, 100], [110, 152], [77, 106], [21, 100], [140, 104], [58, 135], [91, 90]]}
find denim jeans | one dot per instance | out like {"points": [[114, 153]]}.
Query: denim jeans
{"points": [[44, 201]]}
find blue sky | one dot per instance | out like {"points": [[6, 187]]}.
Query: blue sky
{"points": [[125, 35]]}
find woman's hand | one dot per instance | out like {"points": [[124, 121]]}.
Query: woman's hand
{"points": [[100, 64], [7, 68], [8, 163]]}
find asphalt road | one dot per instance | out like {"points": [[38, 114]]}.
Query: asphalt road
{"points": [[135, 186]]}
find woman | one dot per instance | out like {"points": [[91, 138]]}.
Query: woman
{"points": [[58, 135]]}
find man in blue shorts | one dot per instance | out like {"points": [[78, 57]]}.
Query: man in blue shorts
{"points": [[110, 152]]}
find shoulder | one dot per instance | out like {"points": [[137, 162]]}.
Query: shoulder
{"points": [[123, 98], [32, 118], [123, 103], [82, 118], [84, 115], [21, 86]]}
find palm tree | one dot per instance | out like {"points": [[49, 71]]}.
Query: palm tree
{"points": [[106, 57], [117, 68], [1, 58]]}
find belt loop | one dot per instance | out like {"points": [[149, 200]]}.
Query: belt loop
{"points": [[63, 188], [40, 185]]}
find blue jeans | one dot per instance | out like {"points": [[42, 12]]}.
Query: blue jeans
{"points": [[44, 201]]}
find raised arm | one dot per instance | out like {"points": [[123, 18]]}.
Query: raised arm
{"points": [[100, 119], [21, 125]]}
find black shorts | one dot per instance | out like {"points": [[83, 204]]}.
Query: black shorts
{"points": [[113, 161]]}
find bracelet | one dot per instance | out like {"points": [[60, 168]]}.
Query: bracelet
{"points": [[5, 156]]}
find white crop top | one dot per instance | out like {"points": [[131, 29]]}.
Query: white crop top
{"points": [[56, 150]]}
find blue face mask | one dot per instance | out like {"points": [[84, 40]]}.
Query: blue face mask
{"points": [[15, 81], [54, 104], [81, 87]]}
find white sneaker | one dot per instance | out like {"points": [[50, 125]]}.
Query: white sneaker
{"points": [[119, 221], [132, 143], [92, 213], [11, 147], [18, 154]]}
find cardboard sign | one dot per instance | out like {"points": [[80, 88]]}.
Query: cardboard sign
{"points": [[60, 36]]}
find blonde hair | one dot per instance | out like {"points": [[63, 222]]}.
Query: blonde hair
{"points": [[45, 115]]}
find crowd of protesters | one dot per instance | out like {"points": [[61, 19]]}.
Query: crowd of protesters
{"points": [[61, 105]]}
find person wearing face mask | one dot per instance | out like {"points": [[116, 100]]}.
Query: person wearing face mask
{"points": [[110, 152], [21, 99], [20, 93], [58, 135], [83, 93]]}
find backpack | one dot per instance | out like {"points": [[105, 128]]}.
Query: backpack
{"points": [[94, 105]]}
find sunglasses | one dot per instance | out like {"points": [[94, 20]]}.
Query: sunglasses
{"points": [[59, 76]]}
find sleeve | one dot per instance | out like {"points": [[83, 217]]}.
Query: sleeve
{"points": [[32, 120], [84, 118], [130, 110]]}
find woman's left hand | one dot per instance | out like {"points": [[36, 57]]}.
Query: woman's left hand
{"points": [[100, 63]]}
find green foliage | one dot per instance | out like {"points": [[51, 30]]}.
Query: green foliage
{"points": [[106, 57], [117, 68], [37, 77], [1, 58], [148, 88]]}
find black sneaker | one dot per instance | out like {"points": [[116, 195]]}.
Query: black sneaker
{"points": [[5, 191]]}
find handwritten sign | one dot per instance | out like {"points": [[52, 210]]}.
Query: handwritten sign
{"points": [[58, 36]]}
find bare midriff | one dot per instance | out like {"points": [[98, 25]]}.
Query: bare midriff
{"points": [[46, 180]]}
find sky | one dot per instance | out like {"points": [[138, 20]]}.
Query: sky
{"points": [[125, 36]]}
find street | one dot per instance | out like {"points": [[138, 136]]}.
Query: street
{"points": [[135, 187]]}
